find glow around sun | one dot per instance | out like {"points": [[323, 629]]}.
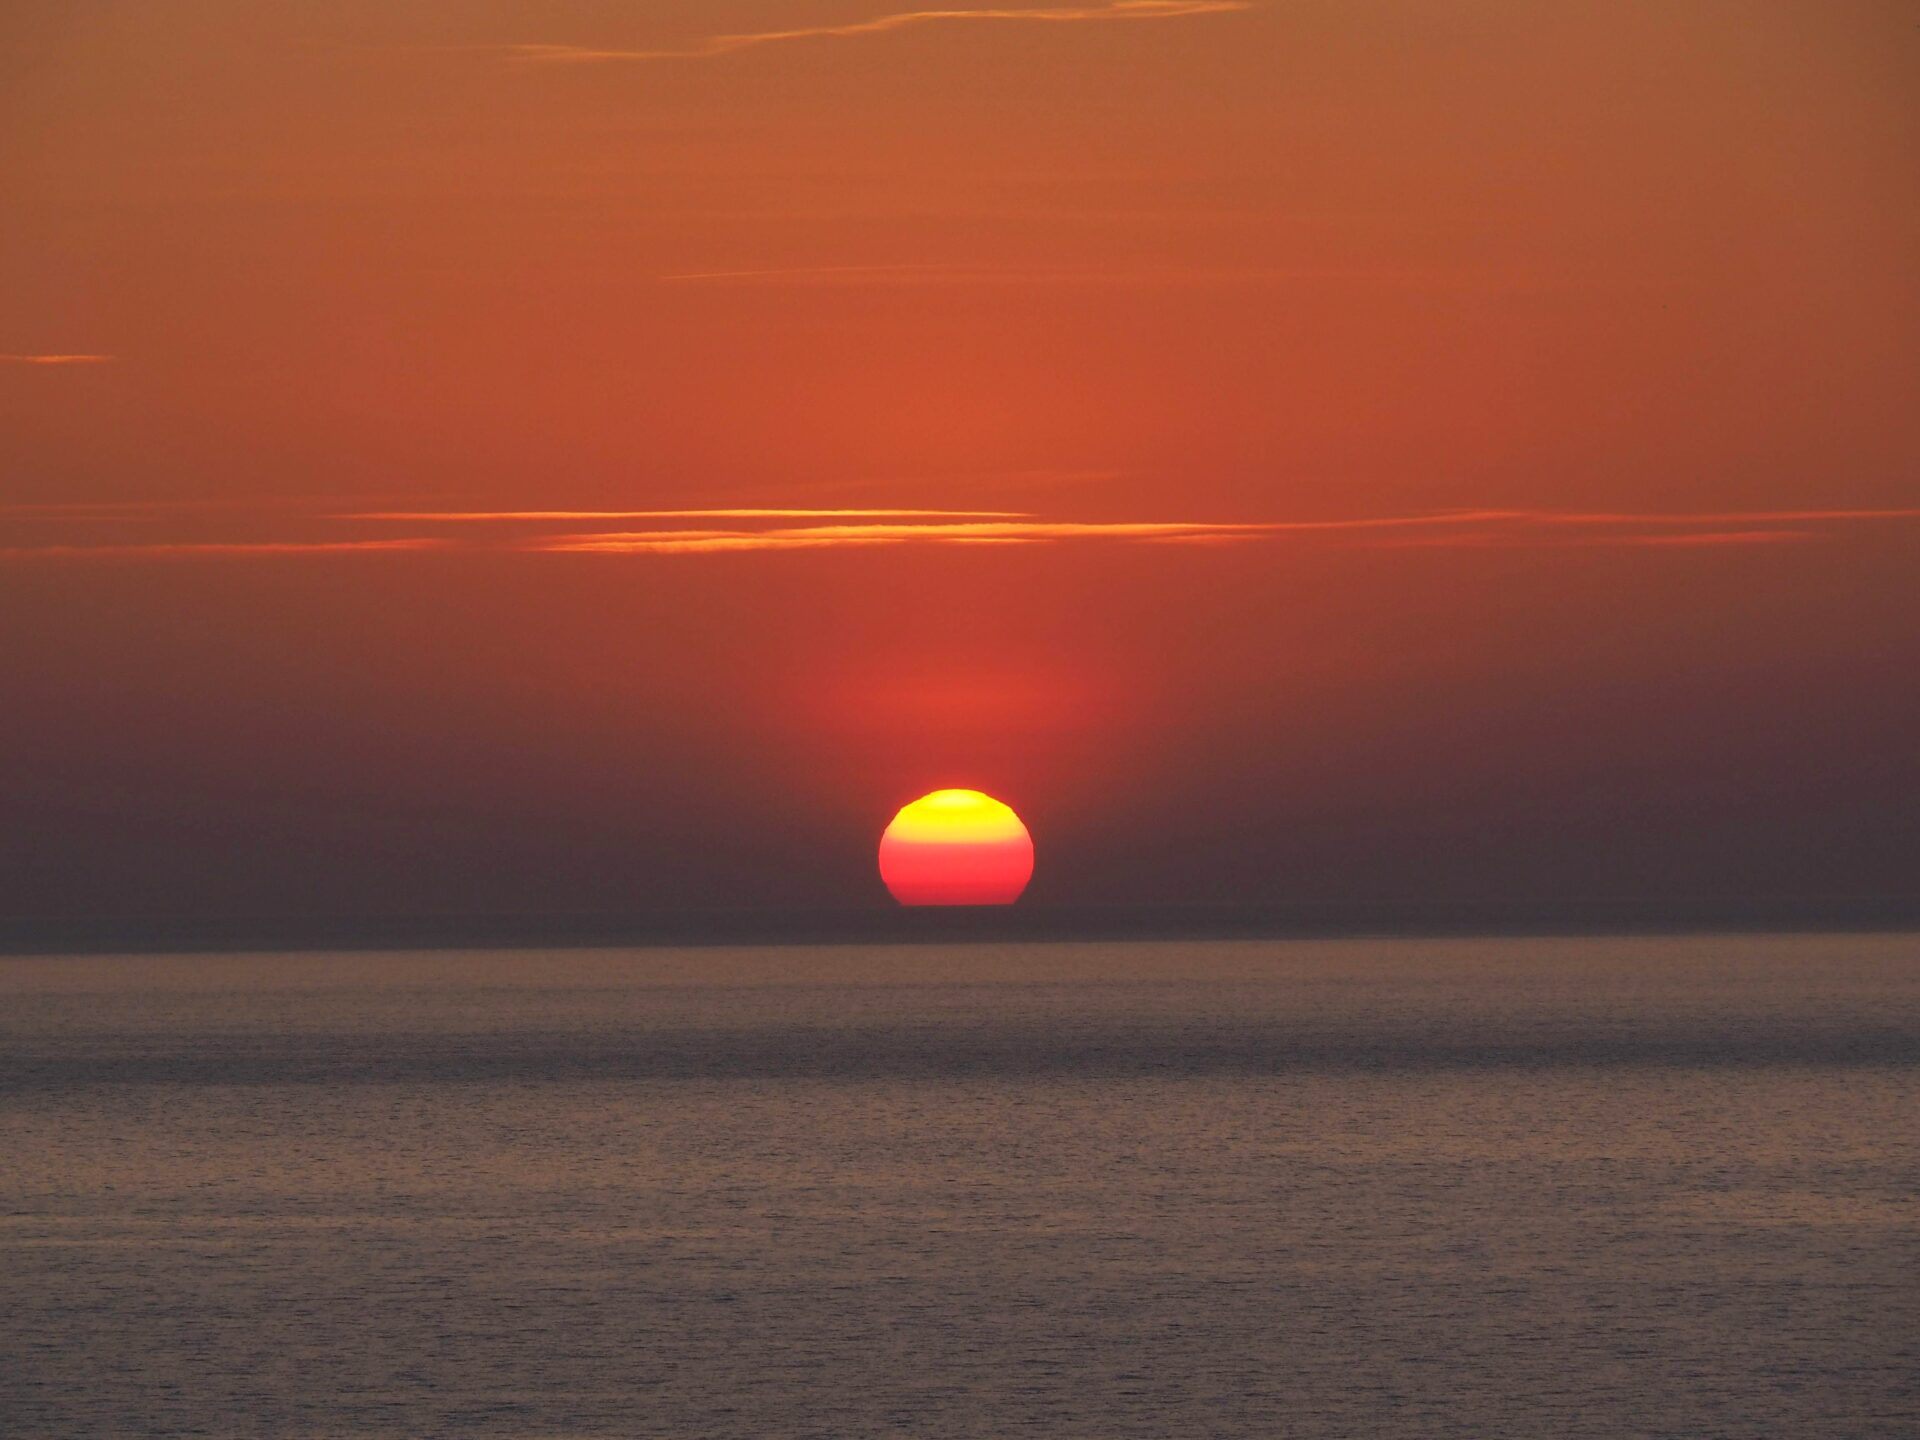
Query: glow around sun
{"points": [[956, 847]]}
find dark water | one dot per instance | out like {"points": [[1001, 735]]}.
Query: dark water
{"points": [[1526, 1188]]}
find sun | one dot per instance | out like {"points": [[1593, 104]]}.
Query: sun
{"points": [[956, 847]]}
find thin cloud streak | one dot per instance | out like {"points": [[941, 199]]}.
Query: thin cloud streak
{"points": [[715, 46], [827, 273], [167, 509], [1703, 517], [747, 529], [1533, 540], [1485, 529], [465, 517], [881, 533], [116, 510], [57, 359], [1021, 530], [1708, 538], [217, 549], [953, 274], [669, 542]]}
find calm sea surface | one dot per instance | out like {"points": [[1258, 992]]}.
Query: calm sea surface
{"points": [[1370, 1188]]}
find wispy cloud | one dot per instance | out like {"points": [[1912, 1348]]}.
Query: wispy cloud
{"points": [[465, 517], [57, 359], [1693, 517], [1022, 530], [690, 542], [1462, 529], [1708, 538], [717, 45], [669, 542], [902, 275], [200, 550], [1560, 539], [118, 509], [1678, 530], [179, 508], [739, 530], [894, 274]]}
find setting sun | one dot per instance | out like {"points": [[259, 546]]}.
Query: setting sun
{"points": [[956, 847]]}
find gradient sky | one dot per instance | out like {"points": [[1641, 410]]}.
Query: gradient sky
{"points": [[609, 456]]}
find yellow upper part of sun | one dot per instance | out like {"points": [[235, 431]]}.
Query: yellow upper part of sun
{"points": [[956, 817]]}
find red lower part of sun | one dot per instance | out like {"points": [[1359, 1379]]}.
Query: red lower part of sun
{"points": [[956, 847]]}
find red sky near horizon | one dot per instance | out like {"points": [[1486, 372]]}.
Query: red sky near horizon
{"points": [[570, 456]]}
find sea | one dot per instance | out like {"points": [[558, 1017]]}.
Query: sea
{"points": [[1648, 1186]]}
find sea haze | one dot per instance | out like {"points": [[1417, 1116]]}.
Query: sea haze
{"points": [[1577, 1187]]}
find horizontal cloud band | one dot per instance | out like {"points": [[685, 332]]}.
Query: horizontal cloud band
{"points": [[56, 359], [748, 530], [717, 45]]}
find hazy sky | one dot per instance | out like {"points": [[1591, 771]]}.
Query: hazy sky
{"points": [[566, 455]]}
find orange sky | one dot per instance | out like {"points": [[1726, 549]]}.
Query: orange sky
{"points": [[491, 455]]}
